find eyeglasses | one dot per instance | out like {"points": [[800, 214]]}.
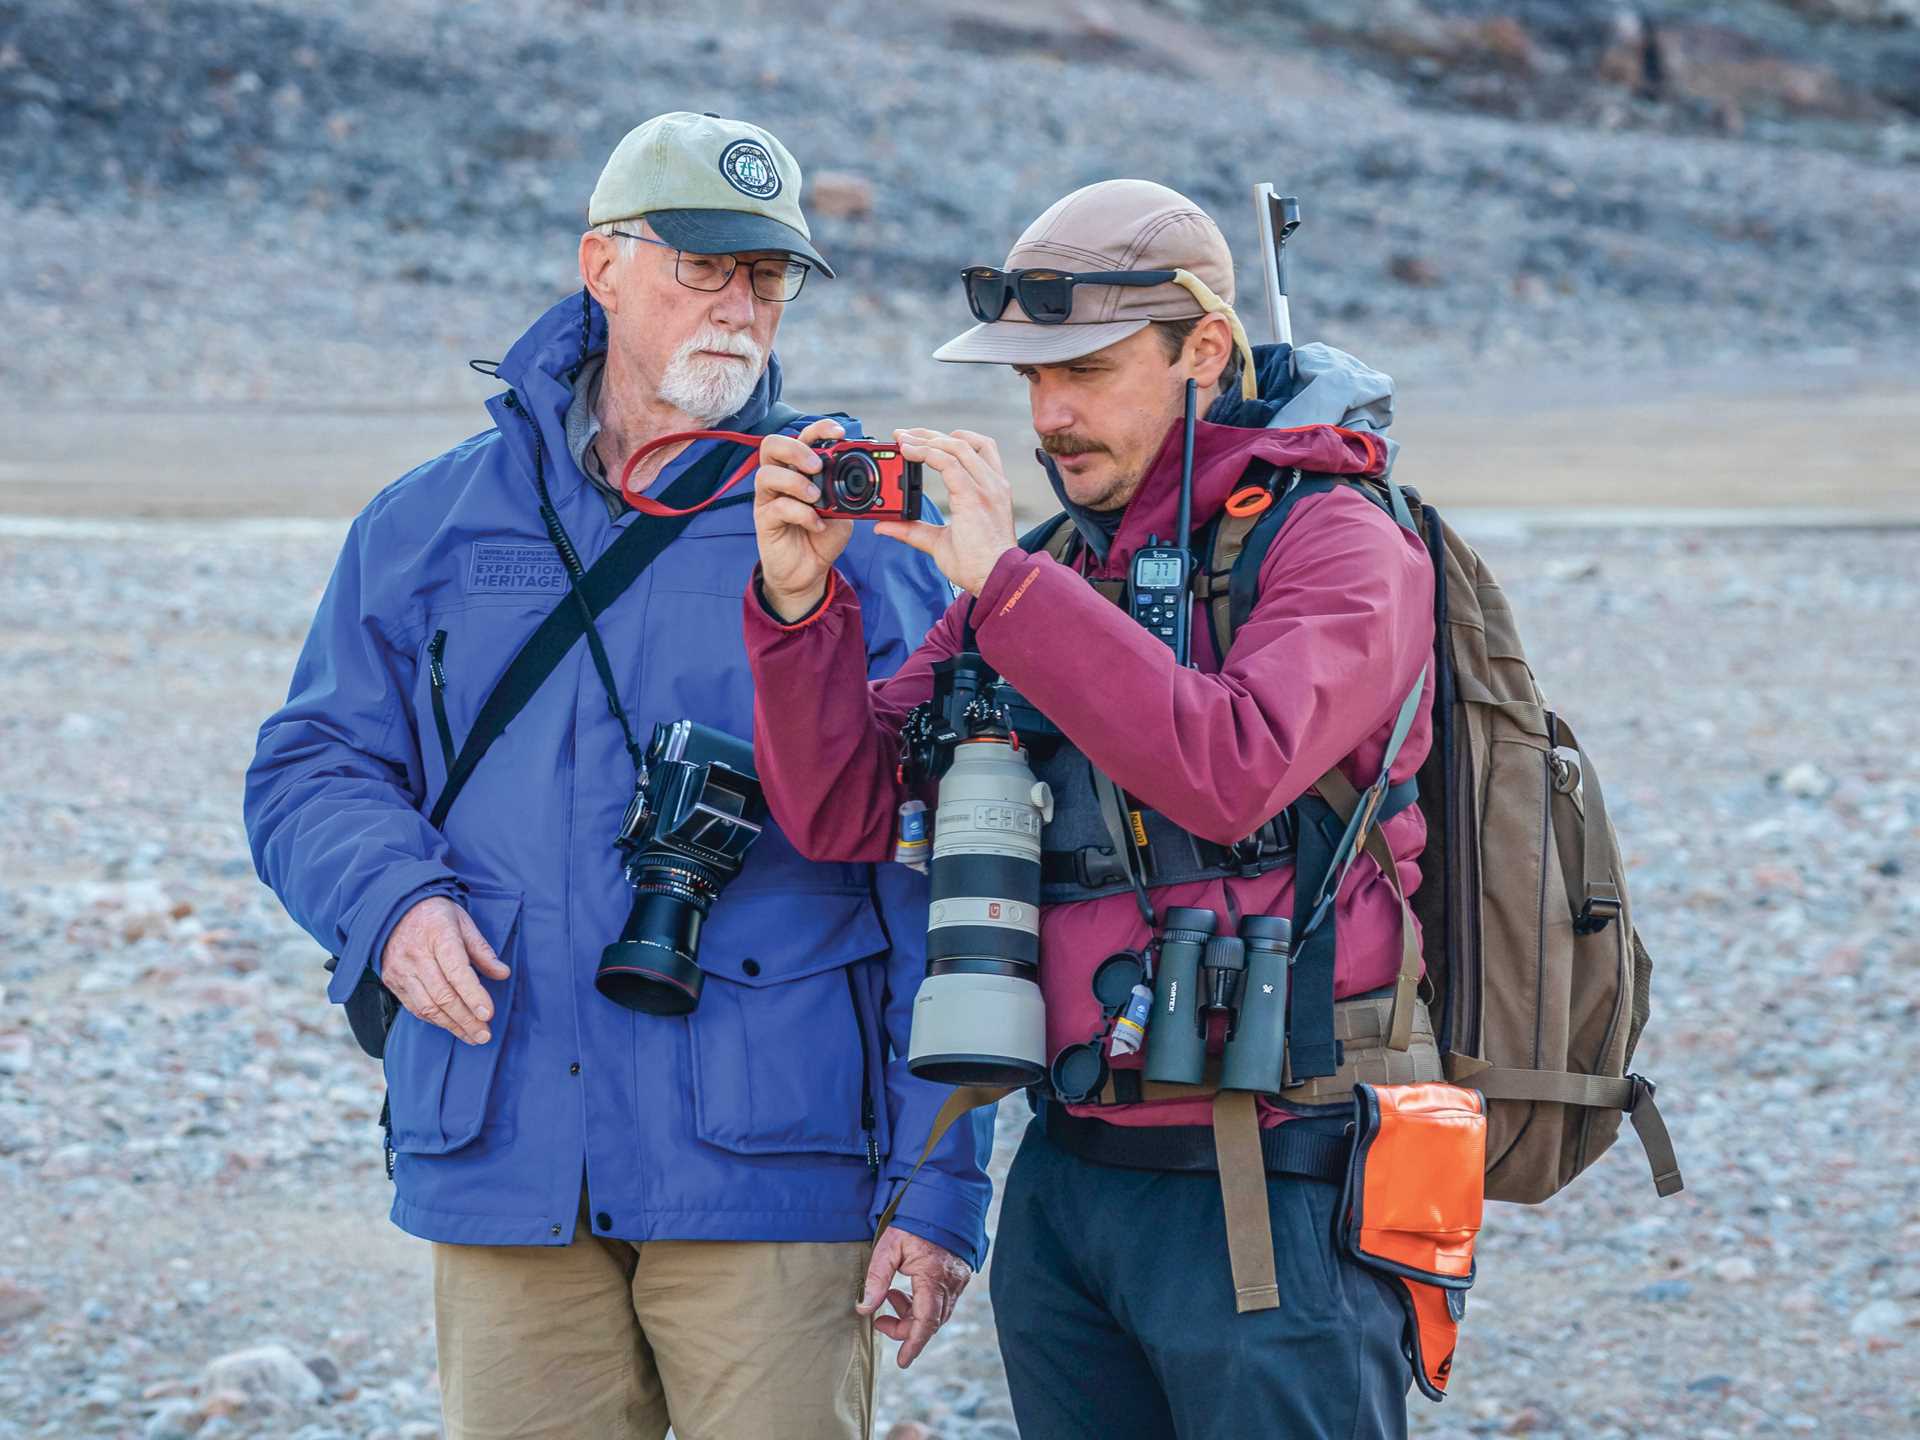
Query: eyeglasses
{"points": [[775, 281], [1045, 295]]}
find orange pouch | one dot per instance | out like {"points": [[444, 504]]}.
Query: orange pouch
{"points": [[1411, 1208]]}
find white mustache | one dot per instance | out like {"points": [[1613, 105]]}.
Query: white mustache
{"points": [[724, 342]]}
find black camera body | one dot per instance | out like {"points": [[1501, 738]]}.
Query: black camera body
{"points": [[697, 809], [867, 480]]}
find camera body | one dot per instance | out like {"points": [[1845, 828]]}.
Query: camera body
{"points": [[696, 811], [867, 480]]}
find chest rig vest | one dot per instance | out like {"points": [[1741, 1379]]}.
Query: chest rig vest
{"points": [[1096, 833]]}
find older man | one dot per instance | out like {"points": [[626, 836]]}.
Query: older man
{"points": [[640, 1218]]}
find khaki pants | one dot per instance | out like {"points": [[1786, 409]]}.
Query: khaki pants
{"points": [[611, 1340]]}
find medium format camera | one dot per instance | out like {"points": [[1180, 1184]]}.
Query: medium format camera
{"points": [[867, 480], [697, 808]]}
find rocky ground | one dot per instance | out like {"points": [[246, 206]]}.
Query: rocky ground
{"points": [[321, 203], [195, 1243]]}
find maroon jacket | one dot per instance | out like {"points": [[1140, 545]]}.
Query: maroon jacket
{"points": [[1315, 676]]}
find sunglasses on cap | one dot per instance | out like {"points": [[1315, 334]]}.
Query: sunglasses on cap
{"points": [[1045, 295]]}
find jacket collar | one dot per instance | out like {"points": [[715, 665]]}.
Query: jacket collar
{"points": [[540, 369]]}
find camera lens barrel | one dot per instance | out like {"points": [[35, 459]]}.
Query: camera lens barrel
{"points": [[855, 481], [1256, 1055], [1176, 1039], [978, 1018], [651, 967]]}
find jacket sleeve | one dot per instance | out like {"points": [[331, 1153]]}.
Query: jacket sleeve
{"points": [[827, 741], [1341, 629], [334, 791], [827, 716]]}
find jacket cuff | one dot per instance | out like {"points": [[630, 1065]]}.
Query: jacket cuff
{"points": [[1007, 584], [950, 1221], [773, 617], [387, 900]]}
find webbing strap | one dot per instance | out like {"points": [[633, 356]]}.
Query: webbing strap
{"points": [[1338, 792], [1330, 807], [1631, 1093], [963, 1099], [1243, 1191]]}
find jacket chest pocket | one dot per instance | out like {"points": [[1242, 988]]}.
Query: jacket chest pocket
{"points": [[715, 555], [786, 1046]]}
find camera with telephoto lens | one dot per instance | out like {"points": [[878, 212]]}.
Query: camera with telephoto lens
{"points": [[697, 809], [867, 480], [978, 1018]]}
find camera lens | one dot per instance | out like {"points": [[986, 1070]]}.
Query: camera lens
{"points": [[856, 481]]}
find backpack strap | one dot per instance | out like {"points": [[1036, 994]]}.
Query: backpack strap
{"points": [[1333, 823], [1060, 538]]}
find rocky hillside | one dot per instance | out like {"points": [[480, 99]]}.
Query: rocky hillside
{"points": [[316, 202]]}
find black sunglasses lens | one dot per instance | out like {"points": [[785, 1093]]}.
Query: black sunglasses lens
{"points": [[987, 293], [1047, 299]]}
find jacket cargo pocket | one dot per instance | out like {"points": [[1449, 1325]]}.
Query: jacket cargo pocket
{"points": [[786, 1046], [438, 1085]]}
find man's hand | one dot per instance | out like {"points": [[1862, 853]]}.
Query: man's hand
{"points": [[797, 545], [979, 528], [938, 1277], [429, 963]]}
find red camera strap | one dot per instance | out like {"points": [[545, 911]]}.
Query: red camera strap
{"points": [[648, 506]]}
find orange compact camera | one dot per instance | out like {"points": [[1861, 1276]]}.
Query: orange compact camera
{"points": [[867, 480]]}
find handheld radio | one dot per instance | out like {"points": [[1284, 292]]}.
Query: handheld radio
{"points": [[1160, 583]]}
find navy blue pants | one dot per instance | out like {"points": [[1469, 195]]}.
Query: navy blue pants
{"points": [[1114, 1301]]}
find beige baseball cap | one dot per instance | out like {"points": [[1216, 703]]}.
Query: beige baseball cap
{"points": [[1112, 225], [707, 184]]}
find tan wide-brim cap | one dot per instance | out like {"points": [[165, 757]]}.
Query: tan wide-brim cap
{"points": [[707, 184], [1112, 225]]}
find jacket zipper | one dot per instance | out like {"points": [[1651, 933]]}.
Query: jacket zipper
{"points": [[868, 1117], [437, 672]]}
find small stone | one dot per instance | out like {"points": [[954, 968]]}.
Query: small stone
{"points": [[325, 1371], [1806, 781], [840, 195], [18, 1302], [16, 1053], [1737, 1271], [270, 1375], [174, 1420], [1414, 270], [1665, 1291], [1881, 1320]]}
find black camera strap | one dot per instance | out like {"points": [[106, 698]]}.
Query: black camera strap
{"points": [[591, 591]]}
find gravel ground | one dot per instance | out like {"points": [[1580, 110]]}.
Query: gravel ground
{"points": [[195, 1240]]}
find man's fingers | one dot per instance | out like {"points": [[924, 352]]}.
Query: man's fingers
{"points": [[900, 1324], [920, 534], [440, 978], [775, 481], [985, 444], [479, 951], [796, 451], [783, 510], [880, 1272], [925, 1321]]}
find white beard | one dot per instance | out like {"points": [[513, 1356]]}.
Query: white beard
{"points": [[706, 388]]}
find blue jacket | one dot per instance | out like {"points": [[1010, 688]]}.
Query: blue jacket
{"points": [[781, 1109]]}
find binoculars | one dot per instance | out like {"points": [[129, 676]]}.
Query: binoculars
{"points": [[1243, 977]]}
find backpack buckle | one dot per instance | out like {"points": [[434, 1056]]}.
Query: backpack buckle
{"points": [[1602, 906]]}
